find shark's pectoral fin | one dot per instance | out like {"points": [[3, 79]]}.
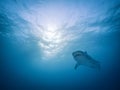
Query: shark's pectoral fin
{"points": [[76, 66]]}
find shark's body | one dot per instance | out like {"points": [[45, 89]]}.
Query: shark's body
{"points": [[82, 58]]}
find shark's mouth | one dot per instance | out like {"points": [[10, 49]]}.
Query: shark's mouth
{"points": [[77, 53]]}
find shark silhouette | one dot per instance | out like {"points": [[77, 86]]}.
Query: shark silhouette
{"points": [[82, 58]]}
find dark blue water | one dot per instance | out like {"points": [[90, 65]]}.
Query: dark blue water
{"points": [[37, 39]]}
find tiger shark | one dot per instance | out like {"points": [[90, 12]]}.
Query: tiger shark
{"points": [[82, 58]]}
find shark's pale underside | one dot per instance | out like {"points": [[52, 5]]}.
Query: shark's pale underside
{"points": [[82, 58]]}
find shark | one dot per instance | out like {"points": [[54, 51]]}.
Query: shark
{"points": [[82, 58]]}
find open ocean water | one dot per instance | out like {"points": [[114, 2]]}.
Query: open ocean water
{"points": [[38, 37]]}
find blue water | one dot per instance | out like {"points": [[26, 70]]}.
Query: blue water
{"points": [[37, 39]]}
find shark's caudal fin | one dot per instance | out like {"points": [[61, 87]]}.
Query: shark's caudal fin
{"points": [[76, 66]]}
